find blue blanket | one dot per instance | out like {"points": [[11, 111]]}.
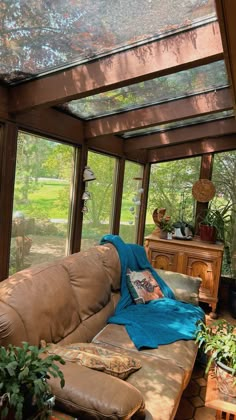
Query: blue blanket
{"points": [[160, 321]]}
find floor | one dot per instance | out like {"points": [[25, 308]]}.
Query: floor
{"points": [[192, 405]]}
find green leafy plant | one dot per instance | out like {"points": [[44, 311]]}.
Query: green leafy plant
{"points": [[217, 218], [218, 341], [23, 379], [166, 225]]}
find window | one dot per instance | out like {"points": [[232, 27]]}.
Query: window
{"points": [[98, 210], [41, 214], [131, 201], [171, 187]]}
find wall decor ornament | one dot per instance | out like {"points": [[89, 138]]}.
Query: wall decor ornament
{"points": [[203, 190], [88, 174]]}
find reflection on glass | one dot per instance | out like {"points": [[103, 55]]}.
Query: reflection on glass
{"points": [[150, 92], [131, 201], [41, 215], [177, 124], [38, 36], [224, 179], [171, 188], [98, 199]]}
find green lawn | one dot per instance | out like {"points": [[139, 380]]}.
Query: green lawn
{"points": [[45, 201]]}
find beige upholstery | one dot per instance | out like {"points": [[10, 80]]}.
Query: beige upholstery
{"points": [[69, 301], [185, 287]]}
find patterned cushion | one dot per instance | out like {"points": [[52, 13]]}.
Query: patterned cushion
{"points": [[95, 357], [143, 286]]}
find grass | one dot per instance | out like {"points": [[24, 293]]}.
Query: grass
{"points": [[45, 201]]}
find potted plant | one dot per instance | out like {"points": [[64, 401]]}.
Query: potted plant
{"points": [[212, 223], [166, 227], [183, 230], [24, 389], [218, 341]]}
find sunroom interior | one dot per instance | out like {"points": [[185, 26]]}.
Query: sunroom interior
{"points": [[142, 93]]}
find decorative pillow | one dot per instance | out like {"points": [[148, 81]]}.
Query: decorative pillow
{"points": [[96, 357], [185, 288], [143, 286]]}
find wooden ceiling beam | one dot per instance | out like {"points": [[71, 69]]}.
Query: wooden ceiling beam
{"points": [[180, 135], [107, 144], [53, 123], [139, 156], [165, 56], [188, 107], [195, 148]]}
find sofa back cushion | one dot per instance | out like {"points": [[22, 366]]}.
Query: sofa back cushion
{"points": [[39, 302], [66, 301]]}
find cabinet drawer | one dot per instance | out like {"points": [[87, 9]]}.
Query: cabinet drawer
{"points": [[164, 260]]}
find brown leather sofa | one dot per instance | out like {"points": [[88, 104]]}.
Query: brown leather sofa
{"points": [[69, 301]]}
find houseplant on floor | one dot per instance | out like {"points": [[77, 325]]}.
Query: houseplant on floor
{"points": [[24, 390], [218, 341]]}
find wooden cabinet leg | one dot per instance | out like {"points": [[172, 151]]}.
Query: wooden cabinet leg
{"points": [[218, 415], [213, 314]]}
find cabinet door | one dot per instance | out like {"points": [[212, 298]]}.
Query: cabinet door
{"points": [[205, 269], [164, 260]]}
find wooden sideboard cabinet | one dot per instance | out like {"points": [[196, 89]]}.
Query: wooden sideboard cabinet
{"points": [[194, 257]]}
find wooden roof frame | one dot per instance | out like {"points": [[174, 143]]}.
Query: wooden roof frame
{"points": [[30, 104], [182, 50]]}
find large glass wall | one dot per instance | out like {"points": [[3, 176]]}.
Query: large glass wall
{"points": [[171, 188], [224, 179], [131, 201], [42, 201], [98, 208]]}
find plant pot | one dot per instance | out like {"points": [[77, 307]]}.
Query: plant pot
{"points": [[225, 379], [232, 300], [207, 233], [163, 234]]}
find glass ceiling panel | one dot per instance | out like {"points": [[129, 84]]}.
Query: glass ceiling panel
{"points": [[150, 92], [38, 36], [178, 124]]}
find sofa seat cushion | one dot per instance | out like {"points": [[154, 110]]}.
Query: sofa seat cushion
{"points": [[97, 357], [160, 381], [89, 394], [182, 353]]}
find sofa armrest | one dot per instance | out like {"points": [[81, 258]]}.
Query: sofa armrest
{"points": [[185, 288], [90, 394]]}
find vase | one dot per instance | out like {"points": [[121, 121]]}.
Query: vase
{"points": [[163, 234], [207, 233], [225, 379]]}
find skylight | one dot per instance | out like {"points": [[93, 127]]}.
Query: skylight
{"points": [[39, 36]]}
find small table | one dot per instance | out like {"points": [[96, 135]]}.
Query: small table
{"points": [[222, 403]]}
